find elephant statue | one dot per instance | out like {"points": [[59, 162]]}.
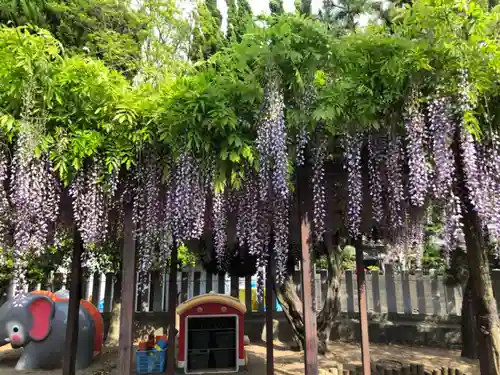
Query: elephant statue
{"points": [[37, 322]]}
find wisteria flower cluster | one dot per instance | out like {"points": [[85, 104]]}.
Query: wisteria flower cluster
{"points": [[319, 189], [415, 132], [352, 147]]}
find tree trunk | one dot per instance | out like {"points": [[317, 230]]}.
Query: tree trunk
{"points": [[468, 324], [487, 320], [331, 307], [292, 307], [114, 321], [292, 304]]}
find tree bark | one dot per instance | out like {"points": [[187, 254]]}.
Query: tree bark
{"points": [[292, 308], [114, 323], [487, 320], [331, 307], [468, 324], [292, 304]]}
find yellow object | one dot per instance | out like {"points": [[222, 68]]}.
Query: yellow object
{"points": [[255, 305], [212, 298]]}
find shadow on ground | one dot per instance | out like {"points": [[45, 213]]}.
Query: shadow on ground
{"points": [[286, 362]]}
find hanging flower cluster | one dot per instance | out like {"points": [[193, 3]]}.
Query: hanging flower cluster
{"points": [[353, 144], [89, 207], [442, 128], [273, 177], [415, 131], [188, 198], [4, 202], [248, 215], [302, 136], [395, 181], [146, 214], [376, 149], [35, 200], [219, 211], [319, 189]]}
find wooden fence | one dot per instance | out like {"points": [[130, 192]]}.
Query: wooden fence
{"points": [[395, 368], [396, 293]]}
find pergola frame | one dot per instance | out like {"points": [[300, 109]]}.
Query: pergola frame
{"points": [[128, 286]]}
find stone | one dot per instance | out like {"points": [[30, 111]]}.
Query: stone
{"points": [[275, 331], [246, 340]]}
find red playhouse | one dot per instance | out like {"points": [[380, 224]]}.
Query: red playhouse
{"points": [[211, 334]]}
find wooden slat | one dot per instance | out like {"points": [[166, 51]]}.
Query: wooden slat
{"points": [[196, 283], [166, 291], [96, 290], [190, 284], [422, 309], [57, 282], [221, 287], [108, 292], [203, 282], [179, 288], [248, 293], [156, 291], [436, 295], [451, 302], [405, 281], [349, 284], [390, 288], [89, 287], [376, 292], [235, 286], [215, 283], [209, 284], [184, 286]]}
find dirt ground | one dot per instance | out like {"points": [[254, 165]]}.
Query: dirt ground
{"points": [[286, 362]]}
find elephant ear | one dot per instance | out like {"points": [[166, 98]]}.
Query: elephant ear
{"points": [[42, 312]]}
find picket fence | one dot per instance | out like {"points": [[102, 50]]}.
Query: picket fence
{"points": [[397, 293]]}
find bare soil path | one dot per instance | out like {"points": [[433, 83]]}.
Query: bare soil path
{"points": [[286, 362]]}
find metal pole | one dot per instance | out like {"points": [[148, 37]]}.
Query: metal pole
{"points": [[363, 312]]}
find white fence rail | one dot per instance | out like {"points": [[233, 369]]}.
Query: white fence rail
{"points": [[396, 293]]}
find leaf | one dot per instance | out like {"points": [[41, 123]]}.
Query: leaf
{"points": [[234, 157]]}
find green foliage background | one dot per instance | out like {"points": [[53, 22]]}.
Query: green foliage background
{"points": [[111, 81]]}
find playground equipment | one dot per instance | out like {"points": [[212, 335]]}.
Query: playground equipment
{"points": [[37, 321], [211, 334]]}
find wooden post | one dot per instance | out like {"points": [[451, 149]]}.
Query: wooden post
{"points": [[128, 280], [363, 313], [172, 306], [269, 319], [75, 296], [308, 305]]}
